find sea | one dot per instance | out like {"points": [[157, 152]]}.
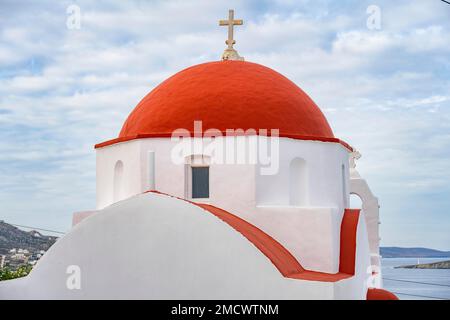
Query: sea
{"points": [[416, 284]]}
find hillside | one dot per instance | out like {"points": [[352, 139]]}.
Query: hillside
{"points": [[397, 252], [12, 237]]}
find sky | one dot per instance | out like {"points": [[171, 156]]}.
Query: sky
{"points": [[383, 84]]}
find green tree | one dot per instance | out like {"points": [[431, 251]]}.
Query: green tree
{"points": [[22, 271]]}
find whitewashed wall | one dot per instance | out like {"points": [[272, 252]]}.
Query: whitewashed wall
{"points": [[157, 247], [310, 229], [107, 158]]}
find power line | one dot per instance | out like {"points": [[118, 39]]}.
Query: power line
{"points": [[427, 283], [419, 296], [445, 1], [35, 228]]}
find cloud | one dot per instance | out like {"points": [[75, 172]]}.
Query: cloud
{"points": [[357, 42]]}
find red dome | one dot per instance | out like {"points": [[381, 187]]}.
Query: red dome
{"points": [[227, 95]]}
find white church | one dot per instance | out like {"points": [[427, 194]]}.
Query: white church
{"points": [[225, 182]]}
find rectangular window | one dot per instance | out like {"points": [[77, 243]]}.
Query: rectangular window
{"points": [[200, 182]]}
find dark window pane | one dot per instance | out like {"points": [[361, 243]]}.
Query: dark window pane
{"points": [[200, 182]]}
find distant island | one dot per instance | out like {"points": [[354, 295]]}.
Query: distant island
{"points": [[397, 252], [433, 265]]}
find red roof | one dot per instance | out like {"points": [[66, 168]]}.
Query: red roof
{"points": [[227, 95], [380, 294]]}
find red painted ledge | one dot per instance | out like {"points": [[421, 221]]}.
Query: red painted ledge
{"points": [[168, 135], [280, 257]]}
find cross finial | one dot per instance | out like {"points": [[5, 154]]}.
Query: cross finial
{"points": [[230, 53]]}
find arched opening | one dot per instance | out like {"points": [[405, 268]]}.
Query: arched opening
{"points": [[355, 201], [118, 181], [298, 183]]}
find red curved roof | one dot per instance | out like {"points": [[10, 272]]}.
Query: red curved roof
{"points": [[380, 294], [227, 95], [281, 258]]}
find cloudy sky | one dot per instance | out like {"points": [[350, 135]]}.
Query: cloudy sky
{"points": [[385, 91]]}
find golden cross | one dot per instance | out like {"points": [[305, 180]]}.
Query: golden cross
{"points": [[230, 23]]}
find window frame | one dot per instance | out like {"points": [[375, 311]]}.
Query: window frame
{"points": [[196, 161]]}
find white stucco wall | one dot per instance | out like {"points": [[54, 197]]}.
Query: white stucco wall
{"points": [[130, 155], [312, 235], [157, 247], [324, 176], [309, 228]]}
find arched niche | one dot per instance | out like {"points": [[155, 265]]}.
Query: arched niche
{"points": [[118, 181], [298, 182]]}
